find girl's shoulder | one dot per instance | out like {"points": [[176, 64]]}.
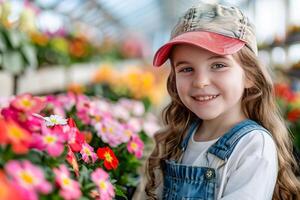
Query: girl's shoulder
{"points": [[257, 144]]}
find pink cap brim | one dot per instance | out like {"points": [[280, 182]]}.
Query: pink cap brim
{"points": [[210, 41]]}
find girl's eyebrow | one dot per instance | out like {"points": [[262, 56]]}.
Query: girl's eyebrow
{"points": [[218, 56], [180, 63]]}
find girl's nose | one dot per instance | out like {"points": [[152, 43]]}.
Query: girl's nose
{"points": [[201, 81]]}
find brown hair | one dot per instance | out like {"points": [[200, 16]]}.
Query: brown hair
{"points": [[258, 104]]}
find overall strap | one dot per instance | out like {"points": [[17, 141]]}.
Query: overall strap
{"points": [[226, 144], [191, 130]]}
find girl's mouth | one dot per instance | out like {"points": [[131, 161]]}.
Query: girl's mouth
{"points": [[205, 98]]}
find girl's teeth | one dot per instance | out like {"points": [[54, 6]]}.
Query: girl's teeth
{"points": [[206, 98]]}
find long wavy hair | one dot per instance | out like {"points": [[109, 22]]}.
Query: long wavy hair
{"points": [[258, 104]]}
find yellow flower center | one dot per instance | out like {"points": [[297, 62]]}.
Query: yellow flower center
{"points": [[16, 132], [108, 157], [53, 120], [66, 181], [87, 151], [102, 185], [128, 132], [133, 145], [98, 118], [110, 130], [49, 139], [26, 103], [27, 178]]}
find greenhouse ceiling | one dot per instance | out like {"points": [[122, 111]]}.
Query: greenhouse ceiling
{"points": [[151, 19]]}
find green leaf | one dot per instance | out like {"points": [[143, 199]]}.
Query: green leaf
{"points": [[84, 174], [3, 43], [30, 55], [119, 192], [14, 38], [84, 198], [13, 62], [89, 186]]}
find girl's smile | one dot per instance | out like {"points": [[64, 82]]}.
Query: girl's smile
{"points": [[204, 99]]}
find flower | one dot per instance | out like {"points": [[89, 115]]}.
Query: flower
{"points": [[83, 107], [53, 140], [71, 158], [88, 153], [70, 189], [55, 120], [28, 177], [101, 179], [12, 133], [25, 120], [284, 91], [8, 190], [136, 146], [111, 132], [110, 160], [75, 138], [150, 125], [293, 115], [28, 103]]}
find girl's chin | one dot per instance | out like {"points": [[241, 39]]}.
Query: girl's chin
{"points": [[206, 117]]}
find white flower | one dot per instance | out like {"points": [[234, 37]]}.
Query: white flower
{"points": [[54, 120]]}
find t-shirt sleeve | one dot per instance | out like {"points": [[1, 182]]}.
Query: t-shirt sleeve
{"points": [[254, 172]]}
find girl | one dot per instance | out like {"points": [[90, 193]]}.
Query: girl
{"points": [[224, 137]]}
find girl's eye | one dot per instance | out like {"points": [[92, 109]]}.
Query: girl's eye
{"points": [[186, 69], [218, 66]]}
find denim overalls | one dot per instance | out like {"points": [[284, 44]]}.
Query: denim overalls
{"points": [[192, 182]]}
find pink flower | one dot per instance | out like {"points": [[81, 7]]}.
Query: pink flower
{"points": [[67, 100], [101, 179], [53, 140], [71, 158], [29, 178], [120, 112], [150, 125], [135, 124], [111, 132], [88, 153], [83, 106], [28, 103], [70, 189], [26, 120], [96, 114], [136, 108], [136, 146], [55, 105]]}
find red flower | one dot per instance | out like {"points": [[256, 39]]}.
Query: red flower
{"points": [[293, 115], [284, 91], [110, 160], [8, 190], [76, 139], [12, 133]]}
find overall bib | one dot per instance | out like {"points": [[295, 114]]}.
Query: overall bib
{"points": [[193, 182]]}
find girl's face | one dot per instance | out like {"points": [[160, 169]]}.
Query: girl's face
{"points": [[210, 85]]}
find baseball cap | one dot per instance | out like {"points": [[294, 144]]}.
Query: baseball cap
{"points": [[220, 29]]}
